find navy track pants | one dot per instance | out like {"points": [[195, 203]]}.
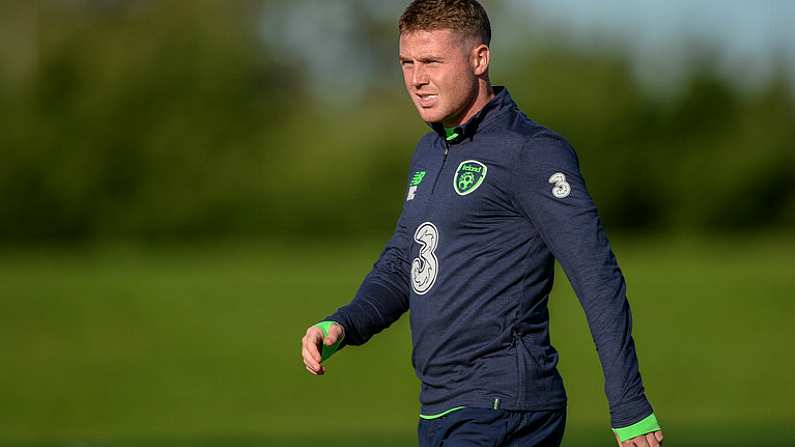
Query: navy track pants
{"points": [[497, 428]]}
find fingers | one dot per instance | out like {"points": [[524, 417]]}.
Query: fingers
{"points": [[312, 340], [319, 372], [310, 355], [310, 352], [334, 334], [652, 440], [311, 365], [315, 373]]}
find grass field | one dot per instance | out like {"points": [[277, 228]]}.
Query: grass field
{"points": [[199, 347]]}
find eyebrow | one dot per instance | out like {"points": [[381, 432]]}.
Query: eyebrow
{"points": [[424, 59]]}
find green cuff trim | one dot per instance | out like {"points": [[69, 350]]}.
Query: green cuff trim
{"points": [[643, 426], [328, 350], [438, 415]]}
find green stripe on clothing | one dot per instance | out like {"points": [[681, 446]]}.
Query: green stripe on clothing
{"points": [[438, 415], [646, 425]]}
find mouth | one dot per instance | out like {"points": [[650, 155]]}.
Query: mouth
{"points": [[427, 99]]}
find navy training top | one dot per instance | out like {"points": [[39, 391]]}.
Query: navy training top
{"points": [[487, 212]]}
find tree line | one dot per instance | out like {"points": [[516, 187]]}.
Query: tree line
{"points": [[145, 126]]}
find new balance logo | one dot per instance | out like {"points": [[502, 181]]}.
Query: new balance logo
{"points": [[416, 179]]}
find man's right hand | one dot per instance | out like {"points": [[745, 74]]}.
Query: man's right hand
{"points": [[312, 344]]}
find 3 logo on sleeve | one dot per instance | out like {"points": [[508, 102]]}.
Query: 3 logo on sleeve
{"points": [[562, 189]]}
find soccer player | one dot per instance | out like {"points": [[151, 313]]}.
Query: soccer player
{"points": [[493, 199]]}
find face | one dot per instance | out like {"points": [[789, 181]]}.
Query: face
{"points": [[441, 70]]}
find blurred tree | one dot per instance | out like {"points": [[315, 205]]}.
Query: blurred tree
{"points": [[171, 120]]}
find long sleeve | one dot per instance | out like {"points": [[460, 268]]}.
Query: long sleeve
{"points": [[550, 190], [383, 295]]}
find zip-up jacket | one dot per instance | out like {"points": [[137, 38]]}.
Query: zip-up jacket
{"points": [[487, 212]]}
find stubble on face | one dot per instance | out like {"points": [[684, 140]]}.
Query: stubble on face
{"points": [[439, 75]]}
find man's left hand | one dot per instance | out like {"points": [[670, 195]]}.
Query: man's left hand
{"points": [[653, 439]]}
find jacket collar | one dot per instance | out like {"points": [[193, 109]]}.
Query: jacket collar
{"points": [[501, 101]]}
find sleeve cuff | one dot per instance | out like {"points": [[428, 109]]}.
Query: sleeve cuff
{"points": [[329, 350], [646, 425]]}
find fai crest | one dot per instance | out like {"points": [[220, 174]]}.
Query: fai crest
{"points": [[468, 176]]}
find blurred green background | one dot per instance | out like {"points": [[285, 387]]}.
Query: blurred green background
{"points": [[186, 186]]}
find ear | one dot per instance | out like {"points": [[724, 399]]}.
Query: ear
{"points": [[480, 59]]}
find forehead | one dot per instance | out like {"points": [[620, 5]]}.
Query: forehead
{"points": [[437, 41]]}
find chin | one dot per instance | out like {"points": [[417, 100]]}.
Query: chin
{"points": [[431, 115]]}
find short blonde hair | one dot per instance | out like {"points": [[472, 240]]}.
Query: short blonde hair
{"points": [[464, 16]]}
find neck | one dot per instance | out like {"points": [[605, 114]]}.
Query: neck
{"points": [[482, 97]]}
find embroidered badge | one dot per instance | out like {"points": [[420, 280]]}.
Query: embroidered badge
{"points": [[468, 177]]}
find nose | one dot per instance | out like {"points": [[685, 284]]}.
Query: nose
{"points": [[419, 76]]}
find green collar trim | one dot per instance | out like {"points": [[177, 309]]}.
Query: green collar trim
{"points": [[452, 133]]}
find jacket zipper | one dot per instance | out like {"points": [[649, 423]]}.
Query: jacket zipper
{"points": [[533, 357], [520, 371], [439, 173]]}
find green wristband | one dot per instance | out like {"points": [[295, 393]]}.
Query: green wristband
{"points": [[643, 426], [328, 350]]}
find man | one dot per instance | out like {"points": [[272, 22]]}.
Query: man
{"points": [[493, 199]]}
